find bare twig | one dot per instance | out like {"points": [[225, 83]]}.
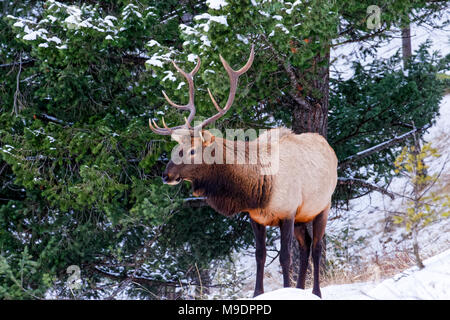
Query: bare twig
{"points": [[17, 103], [435, 179]]}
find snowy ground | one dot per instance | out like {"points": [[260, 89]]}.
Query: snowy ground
{"points": [[430, 283]]}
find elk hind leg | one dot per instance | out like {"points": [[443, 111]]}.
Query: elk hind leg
{"points": [[304, 242], [319, 224], [286, 231]]}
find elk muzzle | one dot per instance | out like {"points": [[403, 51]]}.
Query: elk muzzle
{"points": [[169, 177]]}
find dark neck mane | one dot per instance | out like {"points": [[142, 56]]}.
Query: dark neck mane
{"points": [[231, 189]]}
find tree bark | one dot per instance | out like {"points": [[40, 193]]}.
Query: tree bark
{"points": [[314, 117], [406, 43]]}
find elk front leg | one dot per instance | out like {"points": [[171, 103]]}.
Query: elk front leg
{"points": [[260, 236], [286, 230]]}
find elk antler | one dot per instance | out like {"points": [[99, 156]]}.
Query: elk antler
{"points": [[234, 77], [189, 106]]}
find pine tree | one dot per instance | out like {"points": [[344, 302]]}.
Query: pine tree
{"points": [[79, 167], [80, 170]]}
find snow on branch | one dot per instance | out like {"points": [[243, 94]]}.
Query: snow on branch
{"points": [[365, 184], [194, 202], [47, 117]]}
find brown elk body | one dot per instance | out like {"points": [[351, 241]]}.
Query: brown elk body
{"points": [[288, 182]]}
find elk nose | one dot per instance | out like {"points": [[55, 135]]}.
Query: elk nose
{"points": [[165, 177]]}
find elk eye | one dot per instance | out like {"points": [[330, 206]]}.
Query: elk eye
{"points": [[192, 151]]}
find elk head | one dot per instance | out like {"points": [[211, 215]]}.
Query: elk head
{"points": [[193, 141]]}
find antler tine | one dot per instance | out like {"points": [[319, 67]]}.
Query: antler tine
{"points": [[234, 77], [214, 101], [196, 68], [157, 129], [242, 70], [189, 106], [188, 124], [164, 124], [166, 130], [190, 79]]}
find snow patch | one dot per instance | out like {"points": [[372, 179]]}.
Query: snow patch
{"points": [[152, 43], [430, 283], [18, 24], [192, 57], [216, 4], [55, 39], [296, 3], [155, 60], [217, 19], [169, 76], [242, 38], [282, 27], [180, 85], [288, 294]]}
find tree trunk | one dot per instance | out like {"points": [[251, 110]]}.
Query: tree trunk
{"points": [[406, 43], [313, 118], [417, 190], [419, 261]]}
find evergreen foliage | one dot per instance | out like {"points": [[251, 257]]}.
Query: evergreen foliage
{"points": [[80, 170]]}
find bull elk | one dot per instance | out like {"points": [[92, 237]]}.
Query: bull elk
{"points": [[297, 193]]}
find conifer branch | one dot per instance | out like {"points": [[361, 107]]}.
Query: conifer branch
{"points": [[386, 144]]}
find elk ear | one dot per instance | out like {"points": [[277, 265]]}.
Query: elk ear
{"points": [[207, 137]]}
